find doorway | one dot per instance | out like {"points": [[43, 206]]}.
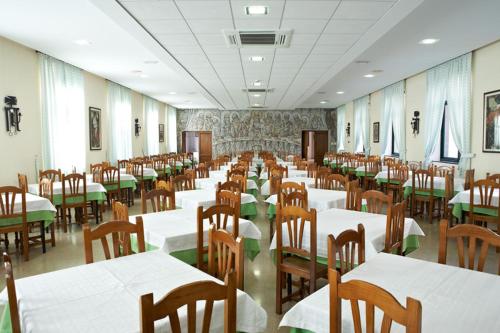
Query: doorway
{"points": [[198, 142], [314, 145]]}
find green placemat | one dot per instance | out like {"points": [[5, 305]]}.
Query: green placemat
{"points": [[437, 192], [253, 192], [91, 196], [123, 185], [248, 210], [41, 215], [461, 207]]}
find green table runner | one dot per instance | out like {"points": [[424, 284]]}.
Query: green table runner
{"points": [[248, 210]]}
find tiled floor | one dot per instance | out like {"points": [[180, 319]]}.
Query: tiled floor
{"points": [[259, 275]]}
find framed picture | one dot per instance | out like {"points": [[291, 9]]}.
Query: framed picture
{"points": [[491, 122], [161, 132], [376, 132], [95, 134]]}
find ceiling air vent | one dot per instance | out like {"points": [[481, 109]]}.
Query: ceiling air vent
{"points": [[260, 90], [264, 38]]}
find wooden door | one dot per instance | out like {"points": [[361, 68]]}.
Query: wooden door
{"points": [[305, 143], [205, 146], [320, 146]]}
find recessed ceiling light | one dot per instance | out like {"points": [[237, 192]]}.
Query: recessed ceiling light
{"points": [[151, 62], [323, 102], [257, 83], [429, 41], [256, 58], [82, 42], [340, 92], [256, 95], [369, 75], [172, 93], [256, 10], [256, 104], [144, 76]]}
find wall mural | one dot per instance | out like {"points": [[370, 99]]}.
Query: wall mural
{"points": [[274, 130]]}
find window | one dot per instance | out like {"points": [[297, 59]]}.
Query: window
{"points": [[448, 148], [394, 148]]}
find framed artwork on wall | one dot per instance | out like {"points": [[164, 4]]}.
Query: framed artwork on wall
{"points": [[161, 132], [491, 122], [95, 135], [376, 132]]}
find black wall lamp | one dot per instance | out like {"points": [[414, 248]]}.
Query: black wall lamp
{"points": [[137, 127], [12, 115], [348, 130], [415, 123]]}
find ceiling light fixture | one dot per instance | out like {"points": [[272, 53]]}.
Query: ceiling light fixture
{"points": [[256, 10], [340, 92], [256, 58], [256, 105], [172, 93], [369, 75], [323, 102], [151, 62], [428, 41], [144, 76], [256, 95], [82, 42], [257, 83]]}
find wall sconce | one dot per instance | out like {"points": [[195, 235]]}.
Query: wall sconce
{"points": [[12, 115], [137, 127], [348, 130], [415, 123]]}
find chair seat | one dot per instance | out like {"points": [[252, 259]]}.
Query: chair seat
{"points": [[300, 266]]}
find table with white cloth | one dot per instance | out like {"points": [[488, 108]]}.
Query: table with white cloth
{"points": [[292, 173], [461, 203], [382, 176], [205, 198], [453, 299], [175, 231], [95, 192], [318, 199], [126, 181], [439, 186], [211, 184], [227, 167], [147, 173], [360, 171], [221, 174], [104, 297], [37, 209], [308, 182], [334, 221]]}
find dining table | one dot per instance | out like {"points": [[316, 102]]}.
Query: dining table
{"points": [[453, 299], [37, 209], [214, 179], [461, 203], [104, 297], [308, 182], [95, 191]]}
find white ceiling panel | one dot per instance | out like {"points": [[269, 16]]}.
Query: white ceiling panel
{"points": [[275, 8], [176, 39], [304, 26], [204, 9], [336, 26], [210, 26], [211, 39], [183, 50], [257, 24], [338, 39], [355, 10], [152, 10], [166, 26], [310, 9]]}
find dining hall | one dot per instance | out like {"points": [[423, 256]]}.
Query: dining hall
{"points": [[289, 166]]}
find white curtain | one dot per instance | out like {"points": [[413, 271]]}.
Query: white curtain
{"points": [[361, 125], [172, 128], [449, 82], [63, 115], [120, 122], [341, 127], [152, 110], [393, 118]]}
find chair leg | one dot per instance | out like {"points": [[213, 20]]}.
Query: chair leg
{"points": [[52, 235], [42, 236], [25, 238], [64, 221], [278, 291]]}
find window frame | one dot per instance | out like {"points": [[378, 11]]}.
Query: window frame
{"points": [[394, 154], [443, 158]]}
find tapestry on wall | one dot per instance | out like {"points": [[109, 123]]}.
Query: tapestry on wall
{"points": [[239, 130]]}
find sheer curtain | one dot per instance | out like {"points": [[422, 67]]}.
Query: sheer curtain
{"points": [[393, 118], [63, 115], [152, 110], [120, 122], [361, 125], [172, 128], [340, 128], [449, 82]]}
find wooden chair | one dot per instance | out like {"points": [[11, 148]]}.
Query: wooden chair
{"points": [[23, 182], [449, 193], [373, 296], [74, 195], [441, 171], [15, 322], [161, 200], [218, 215], [353, 195], [137, 170], [397, 175], [292, 257], [122, 164], [226, 197], [473, 236], [487, 189], [422, 191], [163, 185], [275, 184], [110, 178], [45, 190], [120, 233], [414, 165], [120, 211], [225, 255], [395, 227], [182, 183], [278, 170], [189, 295], [321, 180], [295, 198], [9, 210], [312, 170], [242, 180], [371, 168], [494, 177], [54, 175], [96, 172], [202, 171], [376, 201], [160, 166], [336, 182], [347, 250], [469, 178], [229, 186]]}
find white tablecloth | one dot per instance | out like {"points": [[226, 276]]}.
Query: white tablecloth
{"points": [[223, 174], [453, 299], [176, 230], [57, 188], [211, 183], [147, 172], [204, 198], [309, 182], [383, 174], [104, 296], [292, 173], [440, 183], [227, 167], [319, 199], [123, 177], [34, 203], [464, 197], [334, 221]]}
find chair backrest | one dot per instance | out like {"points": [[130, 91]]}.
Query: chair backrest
{"points": [[372, 166], [374, 297], [182, 183], [469, 178], [218, 215], [347, 250], [353, 196], [225, 197], [321, 179], [22, 181], [488, 189], [52, 174], [225, 255], [292, 221], [161, 200], [414, 165], [295, 198], [397, 173], [336, 182], [277, 170], [242, 180], [376, 201], [473, 236], [275, 183], [229, 186], [122, 164], [202, 171], [312, 170], [441, 171], [423, 181], [160, 165], [189, 295], [15, 323], [120, 211], [74, 187], [111, 178], [163, 185], [120, 233], [235, 171], [96, 172], [9, 202], [394, 230], [449, 186], [137, 169], [46, 189], [494, 177]]}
